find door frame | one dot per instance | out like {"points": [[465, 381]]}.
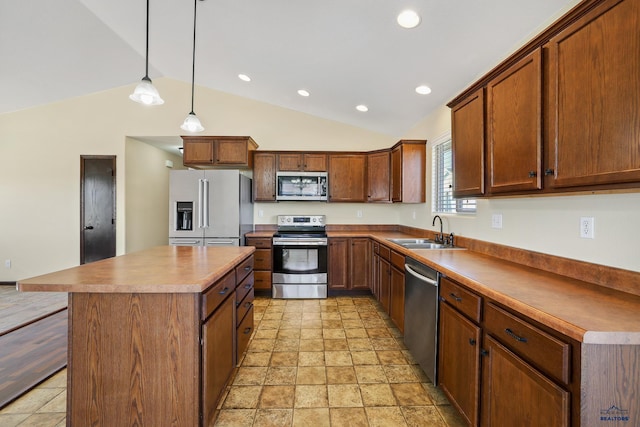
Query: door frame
{"points": [[82, 201]]}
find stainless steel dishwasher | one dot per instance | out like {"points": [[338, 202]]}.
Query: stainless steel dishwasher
{"points": [[421, 315]]}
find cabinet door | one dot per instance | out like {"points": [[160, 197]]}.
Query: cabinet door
{"points": [[347, 178], [396, 305], [375, 275], [217, 356], [408, 171], [396, 174], [378, 177], [384, 276], [264, 177], [197, 151], [338, 253], [314, 162], [467, 139], [515, 394], [233, 152], [514, 127], [594, 82], [459, 363], [359, 263], [289, 162]]}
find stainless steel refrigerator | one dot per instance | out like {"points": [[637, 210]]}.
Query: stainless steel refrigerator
{"points": [[209, 208]]}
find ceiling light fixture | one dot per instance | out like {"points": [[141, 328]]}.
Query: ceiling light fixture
{"points": [[362, 108], [244, 77], [192, 123], [145, 93], [408, 19], [303, 92], [423, 90]]}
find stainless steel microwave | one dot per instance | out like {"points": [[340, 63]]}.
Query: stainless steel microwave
{"points": [[301, 186]]}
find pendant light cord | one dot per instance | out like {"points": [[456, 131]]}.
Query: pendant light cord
{"points": [[193, 62], [146, 63]]}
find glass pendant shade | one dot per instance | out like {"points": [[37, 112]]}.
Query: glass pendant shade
{"points": [[146, 93], [192, 123]]}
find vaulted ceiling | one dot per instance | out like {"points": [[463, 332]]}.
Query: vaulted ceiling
{"points": [[344, 52]]}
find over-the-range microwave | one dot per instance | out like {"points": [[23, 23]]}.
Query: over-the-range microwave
{"points": [[301, 186]]}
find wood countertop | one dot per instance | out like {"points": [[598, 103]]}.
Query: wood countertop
{"points": [[163, 269]]}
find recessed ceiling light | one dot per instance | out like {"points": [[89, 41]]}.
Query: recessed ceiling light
{"points": [[408, 19], [423, 90], [362, 108], [303, 92], [244, 77]]}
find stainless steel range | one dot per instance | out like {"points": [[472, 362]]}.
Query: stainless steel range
{"points": [[300, 257]]}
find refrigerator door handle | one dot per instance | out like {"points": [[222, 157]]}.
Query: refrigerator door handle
{"points": [[205, 206], [200, 200]]}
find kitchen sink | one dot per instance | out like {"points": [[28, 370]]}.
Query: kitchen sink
{"points": [[419, 244]]}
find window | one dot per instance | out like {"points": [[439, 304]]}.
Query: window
{"points": [[442, 181]]}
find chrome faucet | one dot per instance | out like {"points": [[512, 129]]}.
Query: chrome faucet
{"points": [[439, 237]]}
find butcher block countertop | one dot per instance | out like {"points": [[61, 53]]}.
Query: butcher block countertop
{"points": [[583, 311], [162, 269]]}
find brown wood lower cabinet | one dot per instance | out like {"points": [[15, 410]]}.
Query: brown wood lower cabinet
{"points": [[396, 290], [263, 261], [349, 262]]}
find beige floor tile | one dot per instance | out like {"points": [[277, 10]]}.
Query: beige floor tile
{"points": [[12, 420], [291, 323], [384, 344], [242, 397], [422, 377], [332, 324], [269, 324], [58, 380], [451, 416], [286, 344], [338, 358], [349, 315], [400, 373], [273, 418], [311, 323], [57, 404], [391, 357], [292, 314], [284, 358], [385, 416], [316, 344], [367, 315], [364, 358], [265, 334], [400, 341], [31, 402], [311, 375], [250, 375], [257, 359], [311, 396], [378, 333], [310, 333], [272, 316], [281, 375], [288, 333], [352, 324], [377, 395], [261, 345], [344, 395], [435, 394], [330, 316], [311, 358], [348, 417], [341, 375], [359, 344], [374, 323], [370, 374], [311, 313], [43, 420], [316, 417], [411, 394], [395, 332], [336, 344], [407, 355], [277, 396], [355, 333], [420, 416], [235, 418], [331, 334]]}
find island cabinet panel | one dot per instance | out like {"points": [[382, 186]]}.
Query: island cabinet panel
{"points": [[594, 82], [514, 127], [467, 139], [137, 378]]}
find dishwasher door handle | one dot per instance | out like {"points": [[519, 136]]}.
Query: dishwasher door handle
{"points": [[420, 276]]}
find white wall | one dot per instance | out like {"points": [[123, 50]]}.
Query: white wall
{"points": [[40, 152]]}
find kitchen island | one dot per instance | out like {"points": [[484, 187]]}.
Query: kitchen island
{"points": [[152, 334]]}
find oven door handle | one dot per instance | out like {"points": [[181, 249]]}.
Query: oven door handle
{"points": [[297, 243]]}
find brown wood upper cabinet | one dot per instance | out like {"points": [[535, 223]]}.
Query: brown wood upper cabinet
{"points": [[408, 171], [514, 127], [264, 176], [310, 162], [347, 177], [379, 176], [220, 151], [594, 113], [467, 139]]}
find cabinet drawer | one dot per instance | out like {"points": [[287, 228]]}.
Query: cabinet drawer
{"points": [[463, 300], [397, 260], [376, 247], [244, 333], [259, 242], [243, 307], [262, 259], [385, 253], [244, 288], [244, 269], [546, 352], [262, 280], [214, 296]]}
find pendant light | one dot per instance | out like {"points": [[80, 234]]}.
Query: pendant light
{"points": [[145, 93], [192, 123]]}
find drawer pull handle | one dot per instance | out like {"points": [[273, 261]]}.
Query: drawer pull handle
{"points": [[246, 330], [248, 286], [247, 268], [514, 336], [455, 297], [247, 305], [224, 291], [472, 341]]}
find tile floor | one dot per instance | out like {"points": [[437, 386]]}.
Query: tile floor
{"points": [[334, 362]]}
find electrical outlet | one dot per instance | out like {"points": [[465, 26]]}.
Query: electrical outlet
{"points": [[359, 213], [7, 263], [496, 221], [587, 224]]}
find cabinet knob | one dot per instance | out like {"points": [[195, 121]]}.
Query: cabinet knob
{"points": [[533, 174], [472, 341], [548, 172], [484, 352], [246, 331]]}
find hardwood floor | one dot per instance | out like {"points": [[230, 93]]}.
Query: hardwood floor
{"points": [[33, 339]]}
